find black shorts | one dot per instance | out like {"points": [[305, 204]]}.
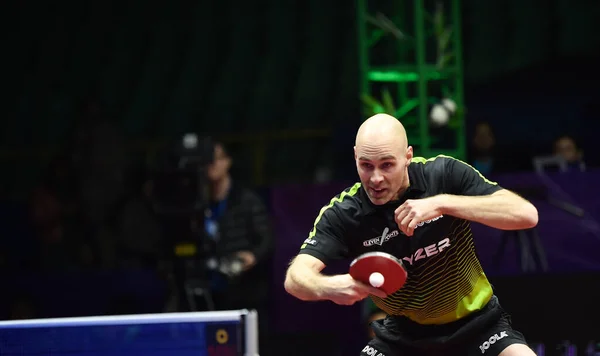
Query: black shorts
{"points": [[486, 332]]}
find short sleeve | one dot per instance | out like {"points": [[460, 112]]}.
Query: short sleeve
{"points": [[465, 180], [326, 239]]}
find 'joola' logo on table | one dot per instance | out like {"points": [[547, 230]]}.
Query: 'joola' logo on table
{"points": [[492, 340]]}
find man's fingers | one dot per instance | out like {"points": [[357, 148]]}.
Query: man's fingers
{"points": [[404, 223], [345, 302], [399, 209], [377, 292], [400, 215], [406, 220], [368, 290], [411, 226], [405, 204]]}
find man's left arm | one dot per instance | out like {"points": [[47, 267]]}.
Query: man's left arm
{"points": [[473, 197]]}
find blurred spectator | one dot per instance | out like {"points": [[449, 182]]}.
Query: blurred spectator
{"points": [[17, 238], [55, 229], [325, 169], [567, 149], [240, 224], [76, 206], [139, 231], [490, 158], [101, 165], [566, 156], [483, 148]]}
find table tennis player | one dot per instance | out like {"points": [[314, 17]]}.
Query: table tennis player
{"points": [[418, 210]]}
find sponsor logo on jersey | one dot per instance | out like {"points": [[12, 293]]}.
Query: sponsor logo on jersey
{"points": [[430, 220], [427, 251], [492, 340], [310, 241], [387, 235], [378, 241]]}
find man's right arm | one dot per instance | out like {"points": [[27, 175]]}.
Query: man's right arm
{"points": [[305, 282], [304, 279]]}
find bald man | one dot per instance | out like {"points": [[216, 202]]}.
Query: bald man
{"points": [[418, 210]]}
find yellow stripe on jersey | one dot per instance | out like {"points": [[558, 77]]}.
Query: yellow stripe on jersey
{"points": [[351, 192], [425, 160]]}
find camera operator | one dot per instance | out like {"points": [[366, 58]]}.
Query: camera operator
{"points": [[239, 222], [216, 233]]}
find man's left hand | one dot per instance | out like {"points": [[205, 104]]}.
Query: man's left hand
{"points": [[248, 258], [412, 212]]}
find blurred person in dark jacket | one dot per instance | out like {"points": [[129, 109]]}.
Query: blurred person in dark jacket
{"points": [[53, 217], [488, 157], [239, 222], [483, 153], [566, 148]]}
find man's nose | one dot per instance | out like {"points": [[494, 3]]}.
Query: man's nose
{"points": [[376, 178]]}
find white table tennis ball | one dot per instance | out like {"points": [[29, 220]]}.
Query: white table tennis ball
{"points": [[376, 279], [450, 105], [441, 112]]}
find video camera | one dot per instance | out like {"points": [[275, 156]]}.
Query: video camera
{"points": [[181, 191], [181, 200]]}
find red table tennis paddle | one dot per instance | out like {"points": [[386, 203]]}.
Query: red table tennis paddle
{"points": [[366, 267]]}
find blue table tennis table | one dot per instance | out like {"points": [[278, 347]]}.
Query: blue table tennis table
{"points": [[222, 333]]}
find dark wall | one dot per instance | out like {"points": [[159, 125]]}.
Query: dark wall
{"points": [[235, 66]]}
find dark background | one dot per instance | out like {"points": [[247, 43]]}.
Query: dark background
{"points": [[278, 81], [232, 67]]}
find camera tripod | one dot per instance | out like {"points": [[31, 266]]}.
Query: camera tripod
{"points": [[198, 289], [531, 252], [188, 293]]}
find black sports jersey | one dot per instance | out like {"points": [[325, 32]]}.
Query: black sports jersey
{"points": [[445, 279]]}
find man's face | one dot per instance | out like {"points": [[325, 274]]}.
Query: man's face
{"points": [[220, 166], [383, 170]]}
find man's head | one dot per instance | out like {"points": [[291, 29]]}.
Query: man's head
{"points": [[382, 157], [219, 169]]}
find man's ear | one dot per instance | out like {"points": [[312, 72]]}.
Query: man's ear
{"points": [[355, 153], [409, 155]]}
